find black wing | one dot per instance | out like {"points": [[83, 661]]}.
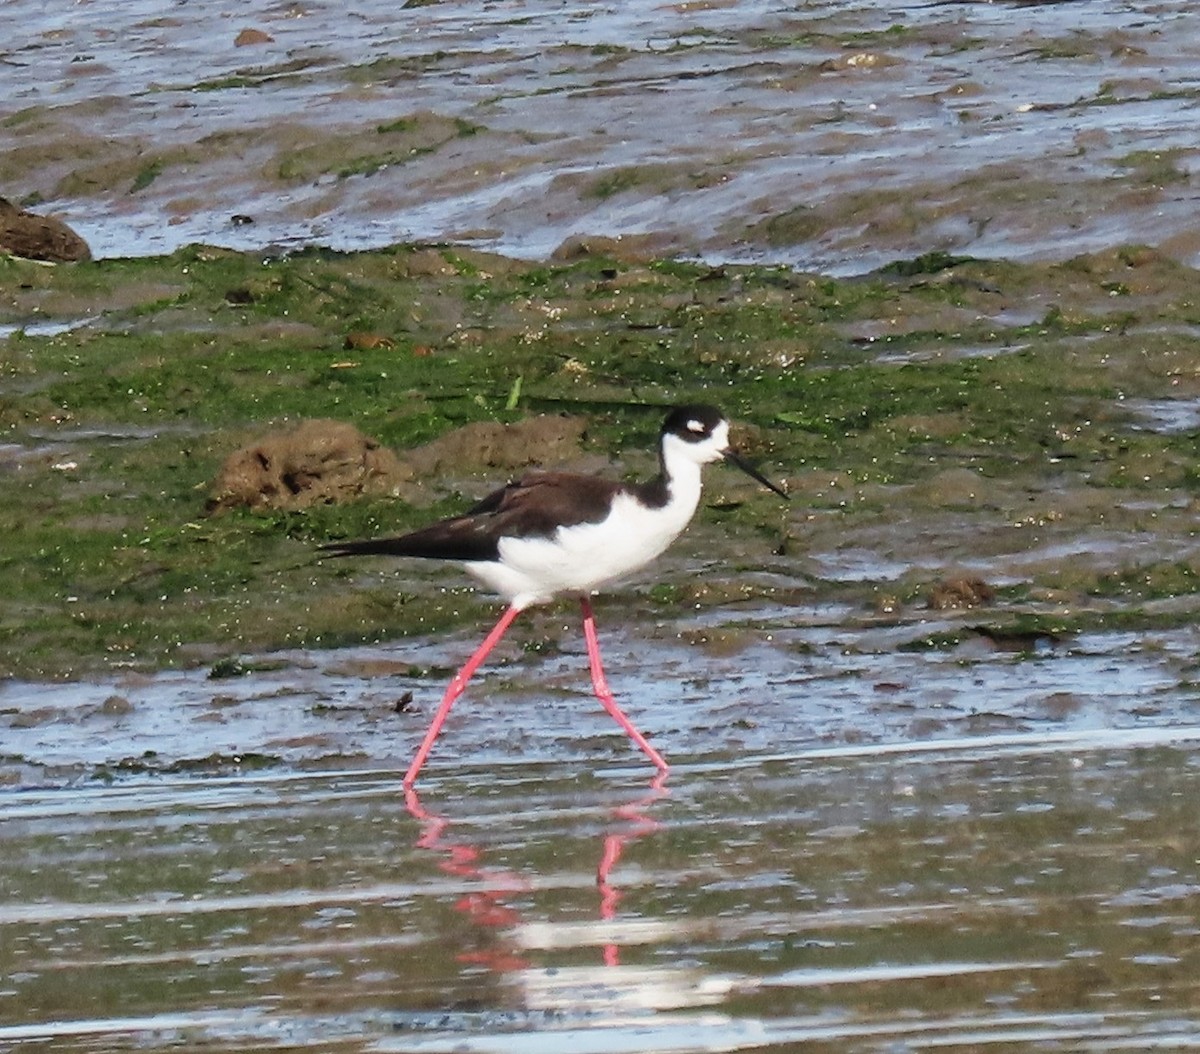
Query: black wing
{"points": [[534, 506]]}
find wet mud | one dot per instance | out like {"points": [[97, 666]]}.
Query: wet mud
{"points": [[932, 725], [830, 137]]}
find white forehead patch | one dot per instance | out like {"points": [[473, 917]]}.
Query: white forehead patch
{"points": [[696, 426]]}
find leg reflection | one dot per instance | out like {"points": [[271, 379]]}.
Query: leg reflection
{"points": [[484, 906], [487, 906], [640, 825]]}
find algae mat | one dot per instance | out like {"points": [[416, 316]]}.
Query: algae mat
{"points": [[939, 421]]}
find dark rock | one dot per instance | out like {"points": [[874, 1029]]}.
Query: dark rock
{"points": [[33, 237]]}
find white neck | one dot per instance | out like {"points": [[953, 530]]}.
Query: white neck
{"points": [[683, 479]]}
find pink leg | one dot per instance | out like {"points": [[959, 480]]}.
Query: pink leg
{"points": [[600, 686], [456, 687]]}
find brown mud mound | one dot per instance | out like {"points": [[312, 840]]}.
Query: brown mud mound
{"points": [[34, 237], [318, 462], [324, 461], [491, 445]]}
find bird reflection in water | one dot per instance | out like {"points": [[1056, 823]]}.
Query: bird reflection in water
{"points": [[487, 905], [640, 824]]}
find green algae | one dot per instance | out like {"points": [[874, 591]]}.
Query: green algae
{"points": [[114, 429]]}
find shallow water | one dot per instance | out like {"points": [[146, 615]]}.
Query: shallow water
{"points": [[859, 848], [1012, 893]]}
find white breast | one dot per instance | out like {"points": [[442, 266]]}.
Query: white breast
{"points": [[582, 558]]}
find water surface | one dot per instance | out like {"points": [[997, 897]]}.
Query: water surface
{"points": [[886, 851]]}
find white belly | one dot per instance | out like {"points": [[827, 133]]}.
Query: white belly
{"points": [[582, 558]]}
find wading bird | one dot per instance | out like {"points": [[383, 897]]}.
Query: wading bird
{"points": [[558, 532]]}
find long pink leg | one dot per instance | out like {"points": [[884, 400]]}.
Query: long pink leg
{"points": [[455, 688], [604, 694]]}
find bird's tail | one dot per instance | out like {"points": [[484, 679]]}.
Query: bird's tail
{"points": [[369, 547], [458, 539]]}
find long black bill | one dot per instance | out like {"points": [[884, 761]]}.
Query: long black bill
{"points": [[734, 458]]}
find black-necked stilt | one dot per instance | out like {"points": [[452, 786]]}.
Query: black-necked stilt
{"points": [[557, 532]]}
